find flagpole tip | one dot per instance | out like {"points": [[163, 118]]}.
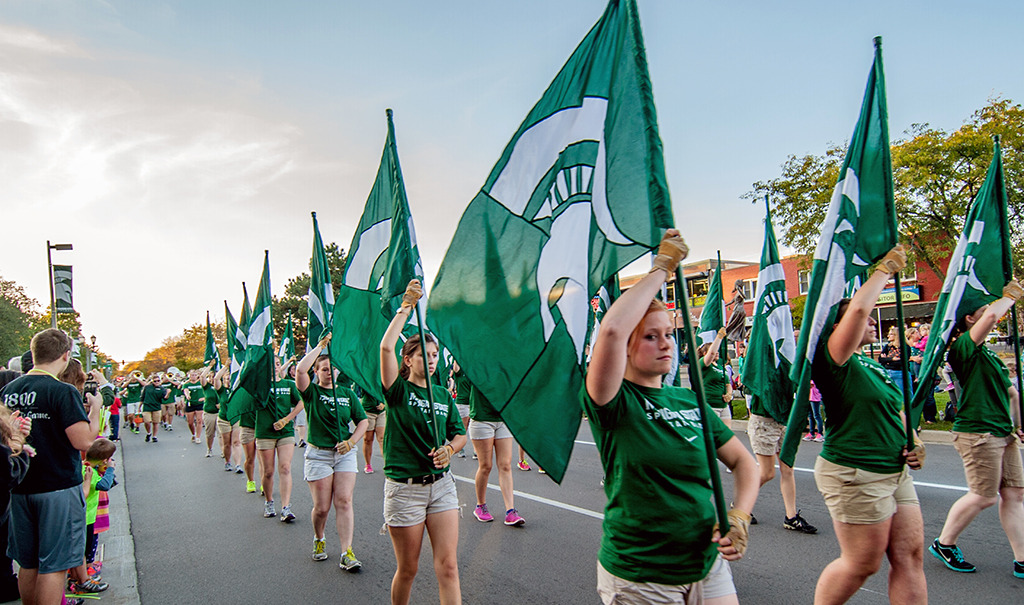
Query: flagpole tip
{"points": [[878, 41], [388, 112], [313, 214], [995, 138]]}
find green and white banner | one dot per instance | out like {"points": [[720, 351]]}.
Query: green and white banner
{"points": [[287, 348], [320, 301], [211, 353], [63, 299], [256, 376], [859, 229], [712, 314], [578, 193]]}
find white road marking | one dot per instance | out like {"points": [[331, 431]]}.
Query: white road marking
{"points": [[585, 442], [953, 488], [541, 499]]}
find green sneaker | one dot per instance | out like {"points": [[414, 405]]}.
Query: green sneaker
{"points": [[349, 562], [319, 549], [250, 487]]}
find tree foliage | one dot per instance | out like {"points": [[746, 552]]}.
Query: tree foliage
{"points": [[18, 316], [184, 351], [936, 176]]}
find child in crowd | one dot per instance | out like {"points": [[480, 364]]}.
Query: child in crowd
{"points": [[97, 476]]}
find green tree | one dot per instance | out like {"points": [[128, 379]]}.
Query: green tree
{"points": [[18, 317]]}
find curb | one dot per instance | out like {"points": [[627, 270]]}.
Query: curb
{"points": [[119, 546], [928, 436]]}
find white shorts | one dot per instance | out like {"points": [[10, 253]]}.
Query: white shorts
{"points": [[488, 430], [406, 505], [463, 410], [321, 463], [131, 408], [300, 418], [724, 413]]}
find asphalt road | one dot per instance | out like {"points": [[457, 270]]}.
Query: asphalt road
{"points": [[199, 538]]}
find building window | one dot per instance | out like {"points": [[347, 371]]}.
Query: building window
{"points": [[805, 281], [749, 289]]}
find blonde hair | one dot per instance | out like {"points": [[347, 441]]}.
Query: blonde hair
{"points": [[10, 437]]}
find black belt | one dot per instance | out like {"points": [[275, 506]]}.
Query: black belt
{"points": [[424, 480]]}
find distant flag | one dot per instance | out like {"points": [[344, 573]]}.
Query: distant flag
{"points": [[321, 293], [712, 315], [287, 349], [211, 353], [246, 317], [235, 350], [858, 231], [979, 268], [62, 290], [771, 349], [601, 302], [256, 375], [382, 259], [578, 193]]}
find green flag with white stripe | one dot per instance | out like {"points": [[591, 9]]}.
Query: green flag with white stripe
{"points": [[712, 315], [578, 193], [859, 229], [211, 353], [256, 376], [320, 300], [287, 348]]}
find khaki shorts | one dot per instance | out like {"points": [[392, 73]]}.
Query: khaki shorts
{"points": [[990, 463], [210, 425], [479, 429], [613, 590], [765, 435], [406, 505], [273, 444], [861, 497], [376, 421], [224, 427], [152, 416], [248, 435], [167, 408]]}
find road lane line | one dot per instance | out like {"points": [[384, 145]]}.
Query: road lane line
{"points": [[952, 488], [541, 499], [585, 442]]}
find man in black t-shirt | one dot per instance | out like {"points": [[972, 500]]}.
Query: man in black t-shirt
{"points": [[47, 534]]}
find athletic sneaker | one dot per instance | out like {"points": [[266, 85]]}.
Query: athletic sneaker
{"points": [[368, 470], [155, 439], [268, 510], [819, 438], [462, 453], [209, 453], [147, 437], [474, 456], [481, 514], [287, 516], [808, 436], [250, 488], [541, 471], [227, 466], [319, 549], [74, 600], [349, 562], [512, 518], [798, 523], [524, 465], [952, 556], [1018, 569], [238, 469], [87, 587]]}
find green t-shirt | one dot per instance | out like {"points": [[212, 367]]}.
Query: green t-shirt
{"points": [[462, 387], [175, 392], [371, 405], [222, 398], [195, 393], [659, 518], [284, 396], [133, 392], [408, 437], [212, 400], [248, 420], [480, 408], [862, 405], [758, 408], [153, 397], [715, 382], [984, 382], [329, 413]]}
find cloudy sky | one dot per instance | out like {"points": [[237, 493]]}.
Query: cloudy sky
{"points": [[172, 142]]}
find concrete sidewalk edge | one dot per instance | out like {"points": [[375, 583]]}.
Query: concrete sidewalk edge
{"points": [[119, 546]]}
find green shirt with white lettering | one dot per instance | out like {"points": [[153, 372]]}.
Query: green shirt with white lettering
{"points": [[408, 438], [195, 393], [659, 517], [984, 405], [284, 396], [329, 412], [133, 392], [862, 405]]}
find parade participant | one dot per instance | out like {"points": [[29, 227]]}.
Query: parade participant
{"points": [[660, 538], [247, 437], [195, 397], [491, 440], [132, 396], [211, 406], [717, 386], [419, 492], [376, 416], [463, 388], [153, 397], [330, 459], [862, 469], [230, 433], [275, 437], [987, 435], [169, 407]]}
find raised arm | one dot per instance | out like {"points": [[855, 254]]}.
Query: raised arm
{"points": [[848, 334], [981, 328], [608, 362], [388, 361], [709, 357], [302, 370]]}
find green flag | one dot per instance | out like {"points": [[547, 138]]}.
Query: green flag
{"points": [[233, 333], [246, 318], [712, 314], [979, 268], [287, 349], [256, 376], [211, 353], [771, 349], [578, 193], [601, 302], [381, 261], [859, 229], [320, 300]]}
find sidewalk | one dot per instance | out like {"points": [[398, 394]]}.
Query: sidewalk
{"points": [[927, 436], [118, 547]]}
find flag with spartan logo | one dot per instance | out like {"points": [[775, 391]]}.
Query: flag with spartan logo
{"points": [[382, 259], [771, 349], [287, 349], [859, 229], [979, 268], [578, 193]]}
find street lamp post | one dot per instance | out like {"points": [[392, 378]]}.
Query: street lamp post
{"points": [[49, 267], [89, 354]]}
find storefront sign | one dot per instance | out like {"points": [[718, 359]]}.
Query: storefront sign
{"points": [[908, 293]]}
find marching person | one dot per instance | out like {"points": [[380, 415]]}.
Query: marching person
{"points": [[419, 492], [862, 469], [275, 437], [987, 435], [660, 541], [330, 460], [153, 397], [717, 385], [492, 441]]}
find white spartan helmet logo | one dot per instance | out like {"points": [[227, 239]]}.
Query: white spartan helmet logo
{"points": [[575, 199]]}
